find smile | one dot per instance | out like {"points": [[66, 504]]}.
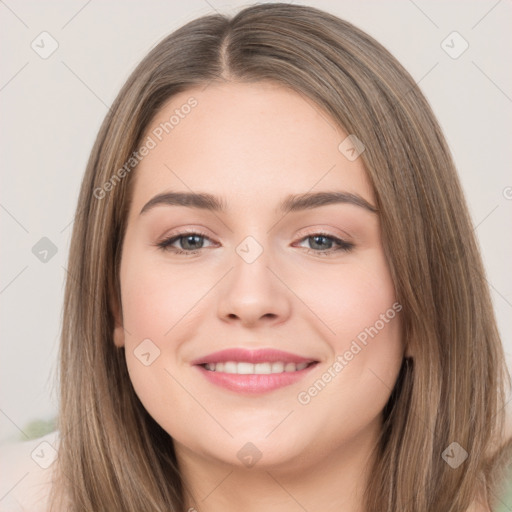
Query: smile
{"points": [[253, 371], [244, 368]]}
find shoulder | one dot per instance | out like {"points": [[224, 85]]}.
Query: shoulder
{"points": [[480, 504], [27, 468], [478, 507], [507, 435]]}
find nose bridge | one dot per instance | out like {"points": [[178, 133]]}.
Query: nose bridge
{"points": [[251, 272], [252, 291]]}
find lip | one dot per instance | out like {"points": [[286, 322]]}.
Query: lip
{"points": [[252, 383], [252, 356]]}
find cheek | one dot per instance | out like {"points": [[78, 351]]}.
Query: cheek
{"points": [[156, 298], [352, 299], [155, 305], [360, 321]]}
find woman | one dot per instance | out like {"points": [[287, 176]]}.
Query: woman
{"points": [[275, 298]]}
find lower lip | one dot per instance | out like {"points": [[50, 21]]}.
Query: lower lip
{"points": [[253, 383]]}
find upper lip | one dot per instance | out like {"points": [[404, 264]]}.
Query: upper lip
{"points": [[252, 356]]}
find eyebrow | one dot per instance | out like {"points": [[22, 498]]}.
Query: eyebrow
{"points": [[291, 203]]}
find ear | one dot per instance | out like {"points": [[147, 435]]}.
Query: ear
{"points": [[116, 309], [119, 335], [408, 351]]}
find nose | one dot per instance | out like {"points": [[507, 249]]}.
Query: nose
{"points": [[254, 293]]}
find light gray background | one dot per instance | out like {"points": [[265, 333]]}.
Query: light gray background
{"points": [[51, 110]]}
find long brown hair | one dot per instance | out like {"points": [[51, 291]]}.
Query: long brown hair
{"points": [[113, 455]]}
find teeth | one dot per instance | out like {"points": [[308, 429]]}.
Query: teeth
{"points": [[277, 368], [230, 367], [260, 368], [243, 368]]}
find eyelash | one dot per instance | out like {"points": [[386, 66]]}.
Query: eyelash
{"points": [[165, 245]]}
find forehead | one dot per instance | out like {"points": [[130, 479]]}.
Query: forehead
{"points": [[251, 143]]}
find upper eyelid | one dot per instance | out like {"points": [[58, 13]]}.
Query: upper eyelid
{"points": [[302, 232], [324, 231]]}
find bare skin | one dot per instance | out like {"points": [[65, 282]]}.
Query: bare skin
{"points": [[253, 145]]}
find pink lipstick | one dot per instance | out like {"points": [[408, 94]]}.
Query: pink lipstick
{"points": [[253, 371]]}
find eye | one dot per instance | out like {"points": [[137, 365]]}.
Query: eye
{"points": [[326, 244], [190, 243]]}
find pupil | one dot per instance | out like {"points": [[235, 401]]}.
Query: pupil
{"points": [[315, 238], [188, 239]]}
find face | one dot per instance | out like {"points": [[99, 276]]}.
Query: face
{"points": [[253, 330]]}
